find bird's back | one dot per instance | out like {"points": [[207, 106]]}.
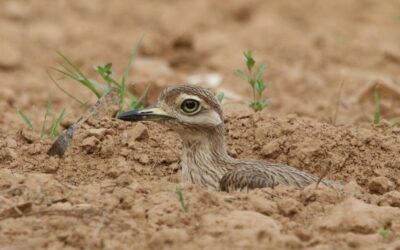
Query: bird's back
{"points": [[246, 175]]}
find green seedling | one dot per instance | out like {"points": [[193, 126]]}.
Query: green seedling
{"points": [[70, 70], [181, 199], [377, 105], [26, 119], [220, 96], [51, 132], [56, 124], [383, 232], [255, 78]]}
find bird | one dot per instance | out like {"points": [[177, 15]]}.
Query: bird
{"points": [[197, 116]]}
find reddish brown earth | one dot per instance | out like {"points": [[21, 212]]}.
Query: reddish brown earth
{"points": [[115, 187]]}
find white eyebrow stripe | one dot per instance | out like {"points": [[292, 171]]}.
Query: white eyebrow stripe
{"points": [[183, 97]]}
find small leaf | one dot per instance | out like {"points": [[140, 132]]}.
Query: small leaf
{"points": [[260, 70], [249, 60], [265, 102], [26, 119], [242, 75], [259, 86], [56, 124], [220, 96]]}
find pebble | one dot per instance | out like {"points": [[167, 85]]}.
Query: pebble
{"points": [[138, 132], [29, 135], [11, 143], [7, 95], [17, 10], [90, 144], [97, 132], [263, 206], [10, 55], [380, 185], [144, 159], [289, 206]]}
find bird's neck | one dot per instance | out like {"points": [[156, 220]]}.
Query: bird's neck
{"points": [[204, 157]]}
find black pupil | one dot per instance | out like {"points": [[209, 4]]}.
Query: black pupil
{"points": [[190, 104]]}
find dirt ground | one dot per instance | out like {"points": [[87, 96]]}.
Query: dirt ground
{"points": [[115, 187]]}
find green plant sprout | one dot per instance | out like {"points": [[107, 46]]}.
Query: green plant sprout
{"points": [[70, 70], [256, 81], [51, 132], [220, 96], [377, 105], [383, 232], [181, 199]]}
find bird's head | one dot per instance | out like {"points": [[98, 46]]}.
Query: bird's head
{"points": [[185, 109]]}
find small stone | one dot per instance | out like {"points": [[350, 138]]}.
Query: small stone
{"points": [[10, 55], [124, 152], [391, 198], [10, 154], [263, 206], [7, 95], [107, 147], [380, 185], [51, 165], [124, 179], [114, 172], [289, 206], [17, 10], [90, 144], [11, 143], [271, 150], [152, 67], [138, 132], [144, 159], [97, 132], [29, 135]]}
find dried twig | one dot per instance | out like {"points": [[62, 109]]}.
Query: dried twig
{"points": [[324, 173]]}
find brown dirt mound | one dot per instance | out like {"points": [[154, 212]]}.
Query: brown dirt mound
{"points": [[116, 185]]}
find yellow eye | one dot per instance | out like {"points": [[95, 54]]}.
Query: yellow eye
{"points": [[190, 106]]}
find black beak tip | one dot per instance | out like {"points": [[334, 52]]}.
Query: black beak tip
{"points": [[128, 116]]}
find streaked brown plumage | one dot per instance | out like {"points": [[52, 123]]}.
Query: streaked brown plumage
{"points": [[196, 115]]}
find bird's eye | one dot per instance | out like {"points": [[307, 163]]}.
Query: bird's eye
{"points": [[190, 106]]}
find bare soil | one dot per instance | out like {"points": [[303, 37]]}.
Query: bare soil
{"points": [[115, 187]]}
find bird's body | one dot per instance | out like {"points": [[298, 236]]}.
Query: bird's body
{"points": [[195, 114]]}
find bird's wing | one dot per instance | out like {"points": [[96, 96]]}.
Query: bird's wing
{"points": [[261, 174]]}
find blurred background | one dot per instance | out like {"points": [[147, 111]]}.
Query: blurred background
{"points": [[310, 46]]}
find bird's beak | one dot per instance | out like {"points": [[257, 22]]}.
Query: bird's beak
{"points": [[146, 114]]}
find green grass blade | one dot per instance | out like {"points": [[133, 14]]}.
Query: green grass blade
{"points": [[138, 103], [132, 57], [56, 124], [46, 114], [63, 90], [72, 68], [181, 199], [26, 119], [122, 88], [377, 105]]}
